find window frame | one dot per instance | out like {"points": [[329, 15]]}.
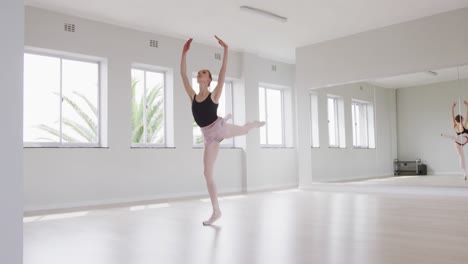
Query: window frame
{"points": [[366, 111], [63, 56], [337, 120], [153, 70], [283, 136], [314, 120]]}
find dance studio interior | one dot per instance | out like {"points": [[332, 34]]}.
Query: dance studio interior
{"points": [[361, 159]]}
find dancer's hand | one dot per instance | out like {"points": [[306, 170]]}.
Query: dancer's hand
{"points": [[187, 45], [466, 103], [224, 45]]}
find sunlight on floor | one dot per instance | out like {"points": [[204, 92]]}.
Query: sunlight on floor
{"points": [[150, 206]]}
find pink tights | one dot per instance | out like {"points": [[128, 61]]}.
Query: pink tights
{"points": [[457, 141], [209, 157]]}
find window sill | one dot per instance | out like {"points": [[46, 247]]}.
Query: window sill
{"points": [[151, 147], [221, 147], [64, 147], [275, 147], [362, 148]]}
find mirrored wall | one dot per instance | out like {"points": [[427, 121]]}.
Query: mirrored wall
{"points": [[407, 130]]}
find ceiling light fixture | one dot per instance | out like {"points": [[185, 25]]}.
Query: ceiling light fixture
{"points": [[264, 13]]}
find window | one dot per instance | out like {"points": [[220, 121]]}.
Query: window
{"points": [[225, 107], [314, 120], [271, 110], [333, 136], [363, 124], [61, 101], [148, 108], [336, 130]]}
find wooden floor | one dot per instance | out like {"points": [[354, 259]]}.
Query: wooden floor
{"points": [[344, 223]]}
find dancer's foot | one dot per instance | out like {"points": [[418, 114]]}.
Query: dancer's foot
{"points": [[259, 124], [215, 216]]}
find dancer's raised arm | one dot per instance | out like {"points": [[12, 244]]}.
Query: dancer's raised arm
{"points": [[222, 72], [183, 70], [453, 115], [465, 123]]}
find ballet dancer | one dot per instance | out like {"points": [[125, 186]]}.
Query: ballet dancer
{"points": [[460, 126], [213, 127]]}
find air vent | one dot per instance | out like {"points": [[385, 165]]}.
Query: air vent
{"points": [[273, 67], [217, 56], [69, 27], [154, 43]]}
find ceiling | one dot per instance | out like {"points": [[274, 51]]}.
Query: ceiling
{"points": [[309, 21]]}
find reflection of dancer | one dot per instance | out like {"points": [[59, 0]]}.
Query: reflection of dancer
{"points": [[460, 125], [214, 128]]}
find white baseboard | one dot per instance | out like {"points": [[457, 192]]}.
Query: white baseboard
{"points": [[357, 178], [273, 187], [121, 202]]}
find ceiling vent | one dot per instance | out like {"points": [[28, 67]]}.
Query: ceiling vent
{"points": [[154, 43], [273, 68], [217, 56], [69, 27]]}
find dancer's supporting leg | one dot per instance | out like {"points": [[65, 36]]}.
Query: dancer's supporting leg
{"points": [[459, 142], [461, 155], [209, 158]]}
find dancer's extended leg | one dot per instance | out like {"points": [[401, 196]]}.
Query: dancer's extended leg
{"points": [[209, 158], [235, 130], [454, 138]]}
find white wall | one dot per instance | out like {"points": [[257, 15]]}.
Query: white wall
{"points": [[56, 178], [429, 43], [424, 112], [11, 114], [434, 42], [272, 167]]}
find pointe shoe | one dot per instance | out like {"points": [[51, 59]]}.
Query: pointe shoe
{"points": [[259, 123], [213, 218]]}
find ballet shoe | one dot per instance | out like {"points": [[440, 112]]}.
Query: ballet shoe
{"points": [[259, 123], [227, 117], [215, 216]]}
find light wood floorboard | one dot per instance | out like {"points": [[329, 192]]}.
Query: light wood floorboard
{"points": [[317, 225]]}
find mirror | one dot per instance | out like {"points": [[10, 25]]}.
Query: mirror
{"points": [[399, 130]]}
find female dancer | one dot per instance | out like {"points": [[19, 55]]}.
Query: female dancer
{"points": [[460, 125], [214, 128]]}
